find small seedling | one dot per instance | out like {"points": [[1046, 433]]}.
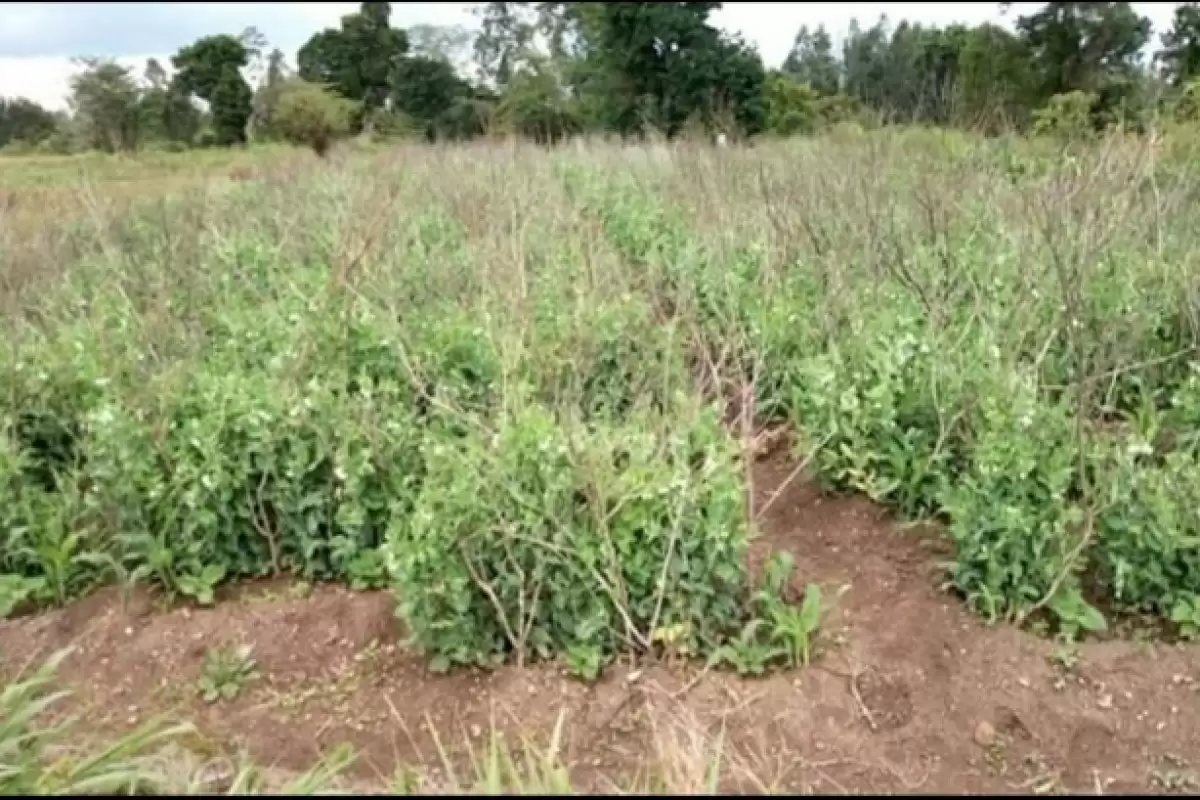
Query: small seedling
{"points": [[1065, 657], [673, 639], [747, 654], [1173, 780], [407, 780], [797, 627], [585, 661], [226, 670], [201, 586]]}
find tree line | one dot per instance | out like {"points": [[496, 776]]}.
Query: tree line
{"points": [[549, 70]]}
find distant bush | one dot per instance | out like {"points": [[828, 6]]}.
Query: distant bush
{"points": [[309, 115], [385, 125], [1186, 107], [1067, 115], [792, 107]]}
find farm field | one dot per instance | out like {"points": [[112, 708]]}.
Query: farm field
{"points": [[867, 462]]}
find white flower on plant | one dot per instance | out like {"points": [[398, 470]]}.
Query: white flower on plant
{"points": [[1138, 447]]}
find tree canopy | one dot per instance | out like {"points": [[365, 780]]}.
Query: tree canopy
{"points": [[552, 69]]}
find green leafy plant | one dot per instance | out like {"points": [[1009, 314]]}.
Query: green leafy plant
{"points": [[36, 758], [793, 627], [1186, 614], [311, 115], [750, 653], [1066, 115], [15, 590], [548, 536], [585, 661], [200, 586], [1075, 614], [797, 627], [226, 670]]}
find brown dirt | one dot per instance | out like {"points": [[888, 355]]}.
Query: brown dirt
{"points": [[909, 693]]}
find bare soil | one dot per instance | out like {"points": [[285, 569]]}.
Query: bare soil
{"points": [[908, 694]]}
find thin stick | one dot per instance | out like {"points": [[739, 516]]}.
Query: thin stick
{"points": [[794, 474]]}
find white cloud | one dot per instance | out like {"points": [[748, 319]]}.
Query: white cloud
{"points": [[37, 39], [43, 79]]}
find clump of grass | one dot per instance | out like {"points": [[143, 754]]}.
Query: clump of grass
{"points": [[226, 670], [683, 759], [39, 757]]}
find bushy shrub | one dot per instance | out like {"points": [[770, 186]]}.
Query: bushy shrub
{"points": [[310, 115], [1013, 516], [888, 414], [1148, 553], [1067, 115], [608, 359], [549, 537], [792, 106]]}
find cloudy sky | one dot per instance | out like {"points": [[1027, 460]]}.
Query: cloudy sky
{"points": [[37, 40]]}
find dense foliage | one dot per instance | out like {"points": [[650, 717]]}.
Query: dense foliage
{"points": [[548, 70], [526, 442]]}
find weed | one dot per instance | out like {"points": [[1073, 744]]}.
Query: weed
{"points": [[37, 758], [796, 627], [226, 670], [16, 590], [585, 661], [1065, 656], [749, 654], [1186, 614]]}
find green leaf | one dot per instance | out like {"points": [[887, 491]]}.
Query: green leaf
{"points": [[212, 574], [810, 609], [16, 589], [1091, 619]]}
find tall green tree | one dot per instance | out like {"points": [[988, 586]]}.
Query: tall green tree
{"points": [[504, 43], [23, 120], [427, 90], [667, 65], [1083, 46], [812, 61], [231, 107], [210, 69], [865, 57], [266, 96], [995, 84], [449, 43], [1180, 55], [165, 112], [734, 92], [358, 59], [200, 66], [104, 99]]}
